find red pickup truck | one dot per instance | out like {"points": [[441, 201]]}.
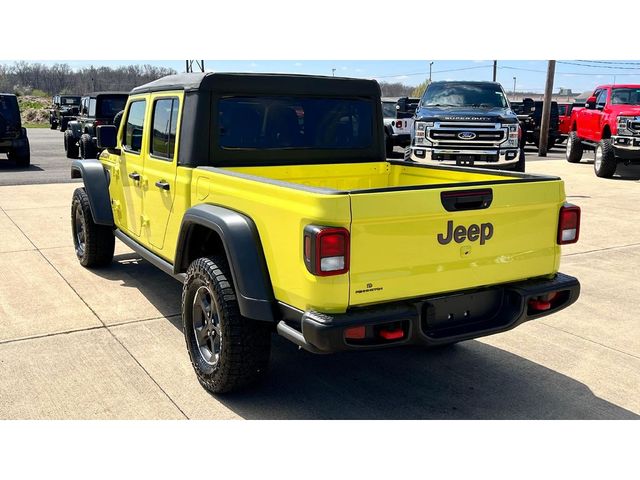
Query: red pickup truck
{"points": [[610, 125]]}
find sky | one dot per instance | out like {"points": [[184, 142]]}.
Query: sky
{"points": [[578, 75]]}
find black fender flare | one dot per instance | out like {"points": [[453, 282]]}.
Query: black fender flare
{"points": [[242, 245], [96, 184]]}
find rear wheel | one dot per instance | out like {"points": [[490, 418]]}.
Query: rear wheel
{"points": [[54, 125], [605, 163], [574, 148], [94, 244], [227, 350], [70, 144], [63, 124], [22, 156]]}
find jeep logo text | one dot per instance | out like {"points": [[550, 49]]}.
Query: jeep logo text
{"points": [[483, 232]]}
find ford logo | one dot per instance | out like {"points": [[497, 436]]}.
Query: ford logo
{"points": [[466, 135]]}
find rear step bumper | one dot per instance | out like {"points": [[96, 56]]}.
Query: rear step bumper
{"points": [[432, 321]]}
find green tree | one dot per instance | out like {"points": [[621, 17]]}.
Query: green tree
{"points": [[419, 90]]}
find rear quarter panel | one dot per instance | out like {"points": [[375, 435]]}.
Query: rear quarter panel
{"points": [[280, 214]]}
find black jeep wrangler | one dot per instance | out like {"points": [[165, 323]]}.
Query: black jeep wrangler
{"points": [[13, 136], [529, 113], [98, 108], [64, 108]]}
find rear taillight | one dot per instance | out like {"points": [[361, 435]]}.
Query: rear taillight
{"points": [[568, 224], [326, 250], [97, 123]]}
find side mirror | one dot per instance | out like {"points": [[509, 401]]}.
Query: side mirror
{"points": [[106, 136], [591, 103]]}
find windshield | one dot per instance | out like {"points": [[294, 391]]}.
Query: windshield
{"points": [[625, 96], [464, 95], [70, 100], [389, 109], [9, 110], [109, 106], [295, 122]]}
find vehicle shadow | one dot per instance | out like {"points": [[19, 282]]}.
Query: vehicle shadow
{"points": [[11, 165], [470, 380], [623, 172]]}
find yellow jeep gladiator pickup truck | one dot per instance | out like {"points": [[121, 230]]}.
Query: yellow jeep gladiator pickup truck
{"points": [[270, 198]]}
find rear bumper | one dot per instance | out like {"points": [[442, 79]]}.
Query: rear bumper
{"points": [[432, 321]]}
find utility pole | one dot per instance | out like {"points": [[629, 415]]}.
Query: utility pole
{"points": [[514, 89], [495, 70], [333, 72], [430, 65], [546, 109]]}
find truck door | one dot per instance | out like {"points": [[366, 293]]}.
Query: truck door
{"points": [[584, 119], [598, 115], [160, 168], [130, 167]]}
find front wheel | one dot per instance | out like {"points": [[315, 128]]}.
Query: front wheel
{"points": [[70, 144], [227, 350], [605, 163], [94, 244]]}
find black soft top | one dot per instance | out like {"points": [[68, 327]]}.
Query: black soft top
{"points": [[265, 83], [95, 94]]}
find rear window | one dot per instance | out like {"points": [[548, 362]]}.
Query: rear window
{"points": [[295, 123], [108, 106], [9, 111]]}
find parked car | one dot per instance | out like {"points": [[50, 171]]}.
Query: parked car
{"points": [[13, 136], [271, 198], [64, 108], [398, 121], [96, 109], [467, 124], [529, 113], [610, 125]]}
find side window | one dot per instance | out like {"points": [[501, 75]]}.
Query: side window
{"points": [[601, 101], [134, 126], [165, 121], [92, 107]]}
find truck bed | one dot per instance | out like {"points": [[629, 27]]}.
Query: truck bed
{"points": [[402, 224]]}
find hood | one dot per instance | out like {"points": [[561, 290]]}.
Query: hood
{"points": [[466, 114], [626, 110]]}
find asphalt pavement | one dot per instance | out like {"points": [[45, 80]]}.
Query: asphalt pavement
{"points": [[49, 163], [107, 343]]}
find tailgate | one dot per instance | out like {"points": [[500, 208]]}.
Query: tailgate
{"points": [[406, 244]]}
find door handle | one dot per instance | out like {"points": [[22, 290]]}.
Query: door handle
{"points": [[134, 176], [163, 185]]}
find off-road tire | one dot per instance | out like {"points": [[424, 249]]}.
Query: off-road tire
{"points": [[244, 344], [70, 144], [63, 124], [574, 148], [22, 156], [87, 147], [388, 145], [99, 241], [606, 166], [520, 165], [117, 119], [54, 125]]}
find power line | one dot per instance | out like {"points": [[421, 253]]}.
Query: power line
{"points": [[434, 71], [609, 62], [598, 66], [568, 73]]}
